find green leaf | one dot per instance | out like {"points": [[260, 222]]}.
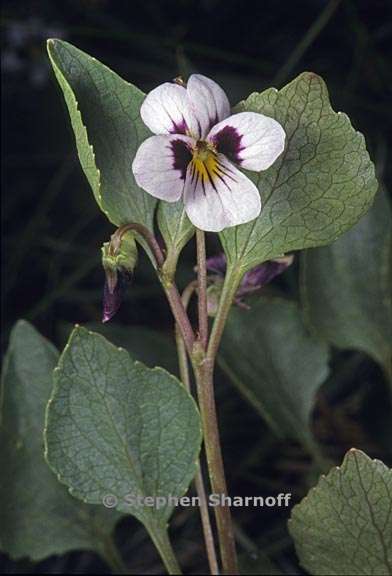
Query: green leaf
{"points": [[104, 112], [176, 229], [37, 515], [275, 364], [115, 427], [320, 186], [346, 287], [344, 525]]}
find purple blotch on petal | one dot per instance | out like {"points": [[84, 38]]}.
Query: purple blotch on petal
{"points": [[181, 156], [179, 127], [228, 142]]}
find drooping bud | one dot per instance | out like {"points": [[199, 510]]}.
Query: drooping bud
{"points": [[263, 274], [119, 259], [252, 281]]}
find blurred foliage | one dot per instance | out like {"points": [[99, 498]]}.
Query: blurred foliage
{"points": [[53, 230]]}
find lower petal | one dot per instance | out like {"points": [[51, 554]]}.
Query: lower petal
{"points": [[220, 196], [160, 165]]}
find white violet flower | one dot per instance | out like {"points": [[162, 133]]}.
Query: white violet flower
{"points": [[196, 151]]}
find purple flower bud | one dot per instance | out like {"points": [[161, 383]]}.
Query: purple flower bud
{"points": [[217, 264], [255, 278], [263, 274], [113, 293]]}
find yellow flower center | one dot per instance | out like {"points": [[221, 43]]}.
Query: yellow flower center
{"points": [[205, 164]]}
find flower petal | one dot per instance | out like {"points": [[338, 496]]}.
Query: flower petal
{"points": [[166, 110], [261, 275], [217, 264], [160, 165], [209, 103], [252, 140], [223, 198]]}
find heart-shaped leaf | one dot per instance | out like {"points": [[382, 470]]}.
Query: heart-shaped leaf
{"points": [[346, 287], [320, 186], [38, 517], [105, 116], [344, 525], [120, 432]]}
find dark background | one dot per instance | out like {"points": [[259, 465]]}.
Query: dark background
{"points": [[53, 229]]}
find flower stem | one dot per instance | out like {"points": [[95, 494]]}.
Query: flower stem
{"points": [[203, 364], [202, 287], [199, 482], [147, 236], [168, 284], [205, 393], [180, 315]]}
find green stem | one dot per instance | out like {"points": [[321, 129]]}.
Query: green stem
{"points": [[179, 313], [230, 286], [205, 393], [202, 287], [199, 482], [162, 543], [168, 284], [203, 365]]}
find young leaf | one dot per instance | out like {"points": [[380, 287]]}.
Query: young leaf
{"points": [[346, 287], [276, 364], [117, 429], [104, 112], [38, 517], [320, 186], [176, 229], [344, 525]]}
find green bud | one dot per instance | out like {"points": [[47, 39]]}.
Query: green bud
{"points": [[119, 256]]}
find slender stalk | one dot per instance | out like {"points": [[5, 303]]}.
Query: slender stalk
{"points": [[146, 235], [180, 315], [202, 287], [199, 482], [168, 285], [206, 523], [164, 547], [203, 365], [230, 286], [205, 393]]}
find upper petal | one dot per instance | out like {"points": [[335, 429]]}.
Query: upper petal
{"points": [[160, 165], [220, 197], [209, 103], [166, 110], [252, 140]]}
